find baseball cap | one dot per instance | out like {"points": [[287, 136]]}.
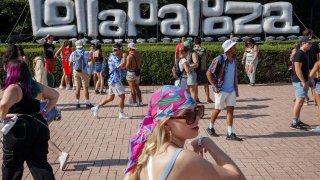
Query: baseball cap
{"points": [[49, 35], [79, 44], [132, 45], [228, 44], [117, 46], [187, 43], [306, 39]]}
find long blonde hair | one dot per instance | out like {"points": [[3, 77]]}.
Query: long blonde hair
{"points": [[40, 73], [155, 141]]}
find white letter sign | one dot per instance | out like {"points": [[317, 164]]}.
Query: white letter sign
{"points": [[84, 17]]}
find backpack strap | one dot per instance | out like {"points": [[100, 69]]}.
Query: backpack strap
{"points": [[190, 57], [82, 59]]}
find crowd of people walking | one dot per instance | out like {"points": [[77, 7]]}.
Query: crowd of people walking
{"points": [[173, 111]]}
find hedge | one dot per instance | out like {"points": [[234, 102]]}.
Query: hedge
{"points": [[158, 61]]}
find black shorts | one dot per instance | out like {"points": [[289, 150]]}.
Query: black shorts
{"points": [[202, 77]]}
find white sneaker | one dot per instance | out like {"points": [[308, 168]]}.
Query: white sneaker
{"points": [[133, 104], [68, 87], [73, 87], [61, 87], [58, 115], [95, 111], [317, 129], [63, 158], [140, 103], [124, 116]]}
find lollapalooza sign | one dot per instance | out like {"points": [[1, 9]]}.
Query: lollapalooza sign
{"points": [[83, 17]]}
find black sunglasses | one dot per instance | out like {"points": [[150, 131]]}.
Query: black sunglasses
{"points": [[191, 116]]}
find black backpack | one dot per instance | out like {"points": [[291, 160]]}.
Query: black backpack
{"points": [[105, 68], [177, 72]]}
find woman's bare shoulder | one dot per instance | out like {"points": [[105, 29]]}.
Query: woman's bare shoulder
{"points": [[193, 166], [14, 90], [191, 158], [14, 87]]}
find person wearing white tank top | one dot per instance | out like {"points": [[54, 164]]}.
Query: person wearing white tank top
{"points": [[158, 150], [250, 59]]}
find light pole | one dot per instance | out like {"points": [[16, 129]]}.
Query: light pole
{"points": [[311, 12]]}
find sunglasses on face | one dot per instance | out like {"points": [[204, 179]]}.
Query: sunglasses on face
{"points": [[191, 116]]}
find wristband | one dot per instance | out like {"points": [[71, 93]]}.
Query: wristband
{"points": [[200, 142], [214, 88], [44, 113]]}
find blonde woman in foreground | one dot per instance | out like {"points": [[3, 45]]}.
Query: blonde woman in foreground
{"points": [[157, 150]]}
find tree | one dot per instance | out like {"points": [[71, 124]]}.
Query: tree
{"points": [[10, 10]]}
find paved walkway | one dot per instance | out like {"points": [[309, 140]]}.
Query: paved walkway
{"points": [[271, 150]]}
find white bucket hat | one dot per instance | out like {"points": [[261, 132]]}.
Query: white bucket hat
{"points": [[79, 44], [228, 44]]}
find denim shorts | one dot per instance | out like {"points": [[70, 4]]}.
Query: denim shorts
{"points": [[51, 115], [97, 67], [299, 91], [181, 82], [317, 89], [90, 69], [192, 78]]}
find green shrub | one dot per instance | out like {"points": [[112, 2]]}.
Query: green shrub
{"points": [[158, 61]]}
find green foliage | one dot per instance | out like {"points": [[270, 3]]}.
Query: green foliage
{"points": [[10, 11], [158, 61]]}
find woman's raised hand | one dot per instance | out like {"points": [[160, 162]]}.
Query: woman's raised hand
{"points": [[198, 146]]}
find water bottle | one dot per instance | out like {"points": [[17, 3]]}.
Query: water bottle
{"points": [[8, 125]]}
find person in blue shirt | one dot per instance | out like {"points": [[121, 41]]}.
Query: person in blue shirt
{"points": [[222, 75], [116, 65], [78, 62]]}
